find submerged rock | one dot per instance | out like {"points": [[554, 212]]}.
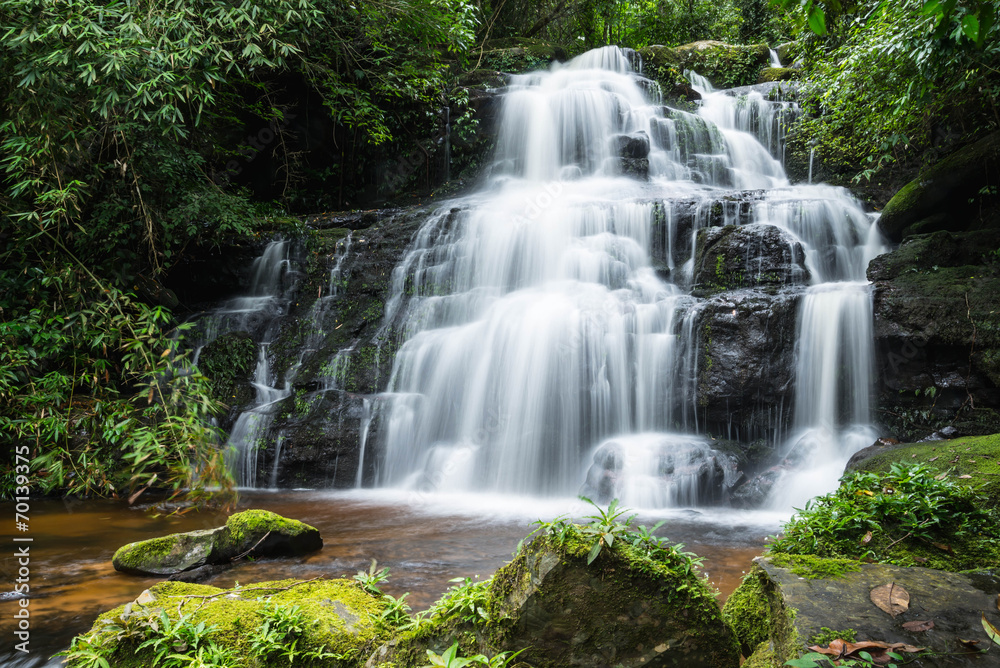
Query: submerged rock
{"points": [[787, 604], [257, 533]]}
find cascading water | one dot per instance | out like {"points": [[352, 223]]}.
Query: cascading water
{"points": [[550, 334], [256, 314]]}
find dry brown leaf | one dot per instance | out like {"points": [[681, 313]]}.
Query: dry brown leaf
{"points": [[891, 598], [919, 627], [932, 459], [941, 477], [867, 539], [920, 560], [942, 546], [964, 477], [971, 644]]}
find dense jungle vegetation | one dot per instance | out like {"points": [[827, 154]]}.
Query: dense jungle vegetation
{"points": [[133, 133]]}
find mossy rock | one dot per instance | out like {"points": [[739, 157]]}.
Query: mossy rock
{"points": [[791, 612], [725, 65], [338, 618], [939, 198], [625, 609], [976, 456], [229, 362], [769, 74], [257, 533], [521, 54], [723, 258]]}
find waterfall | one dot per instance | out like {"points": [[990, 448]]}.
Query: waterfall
{"points": [[256, 313], [551, 338]]}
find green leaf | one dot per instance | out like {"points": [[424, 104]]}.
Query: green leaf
{"points": [[931, 7], [817, 20], [594, 551], [991, 630], [970, 26]]}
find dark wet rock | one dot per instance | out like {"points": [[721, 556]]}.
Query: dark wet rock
{"points": [[938, 348], [779, 613], [746, 368], [257, 533], [755, 491], [632, 146], [947, 195], [743, 256], [635, 167]]}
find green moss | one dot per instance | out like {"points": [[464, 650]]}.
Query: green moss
{"points": [[763, 657], [748, 612], [134, 555], [813, 567], [340, 618], [827, 635], [229, 362], [253, 524]]}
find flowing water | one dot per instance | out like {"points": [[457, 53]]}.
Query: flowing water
{"points": [[547, 352]]}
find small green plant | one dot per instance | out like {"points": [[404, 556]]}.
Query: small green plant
{"points": [[396, 613], [468, 599], [605, 526], [372, 578], [451, 659], [864, 660], [279, 633], [171, 640]]}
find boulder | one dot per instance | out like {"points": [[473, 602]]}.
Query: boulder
{"points": [[634, 146], [725, 65], [744, 256], [257, 533], [229, 362], [250, 625], [945, 195], [632, 606], [786, 604]]}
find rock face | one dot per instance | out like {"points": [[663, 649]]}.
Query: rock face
{"points": [[725, 65], [747, 256], [769, 74], [777, 613], [247, 625], [257, 533], [935, 304], [945, 196]]}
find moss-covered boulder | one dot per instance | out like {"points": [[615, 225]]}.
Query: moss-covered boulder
{"points": [[280, 623], [257, 533], [521, 54], [946, 195], [769, 74], [973, 461], [625, 609], [783, 607], [725, 65]]}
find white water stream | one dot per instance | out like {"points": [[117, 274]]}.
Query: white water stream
{"points": [[544, 353]]}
